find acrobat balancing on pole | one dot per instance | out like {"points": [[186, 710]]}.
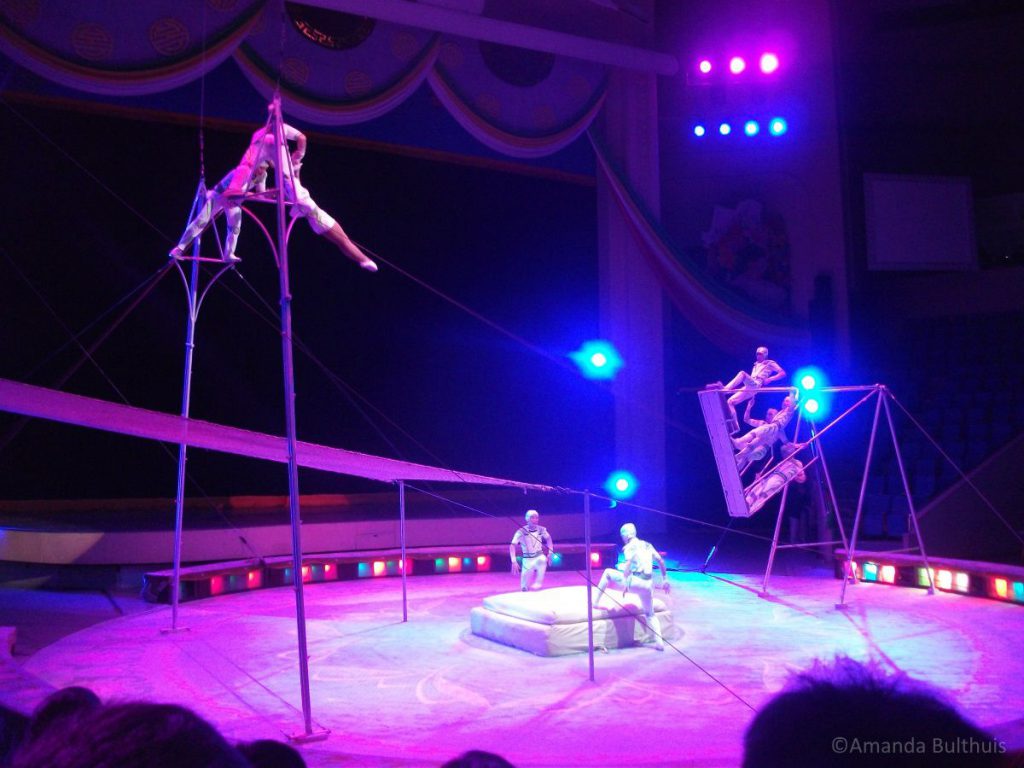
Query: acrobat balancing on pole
{"points": [[249, 179]]}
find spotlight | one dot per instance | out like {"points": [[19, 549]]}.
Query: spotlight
{"points": [[704, 66], [699, 130], [725, 129], [597, 359], [737, 65], [777, 126], [769, 62], [621, 484], [807, 381], [751, 128]]}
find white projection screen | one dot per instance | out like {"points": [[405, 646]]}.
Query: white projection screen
{"points": [[919, 222]]}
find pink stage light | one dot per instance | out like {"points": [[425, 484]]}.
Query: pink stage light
{"points": [[253, 580], [483, 562], [737, 65], [328, 568], [379, 568], [217, 585], [454, 564], [962, 582], [595, 558], [887, 574], [769, 62], [704, 66]]}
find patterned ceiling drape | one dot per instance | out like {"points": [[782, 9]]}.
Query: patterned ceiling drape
{"points": [[332, 68]]}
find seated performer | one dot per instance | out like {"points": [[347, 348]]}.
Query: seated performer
{"points": [[250, 176], [635, 573], [764, 372], [755, 444], [534, 540], [789, 469]]}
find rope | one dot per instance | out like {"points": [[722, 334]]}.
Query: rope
{"points": [[962, 474]]}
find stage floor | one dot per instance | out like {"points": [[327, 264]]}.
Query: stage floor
{"points": [[419, 693]]}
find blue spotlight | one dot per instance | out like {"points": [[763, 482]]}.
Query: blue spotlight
{"points": [[725, 129], [777, 126], [621, 484], [811, 381], [751, 128], [597, 359], [699, 130]]}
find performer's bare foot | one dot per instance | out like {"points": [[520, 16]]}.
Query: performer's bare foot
{"points": [[368, 264], [230, 258], [714, 385]]}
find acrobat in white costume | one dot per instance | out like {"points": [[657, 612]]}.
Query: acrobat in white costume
{"points": [[250, 176], [788, 470], [538, 552], [756, 443], [636, 574], [763, 372]]}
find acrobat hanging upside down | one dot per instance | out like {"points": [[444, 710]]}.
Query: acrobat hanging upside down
{"points": [[250, 178]]}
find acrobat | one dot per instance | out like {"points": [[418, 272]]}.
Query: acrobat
{"points": [[635, 573], [755, 444], [249, 178], [790, 469], [764, 371], [538, 552]]}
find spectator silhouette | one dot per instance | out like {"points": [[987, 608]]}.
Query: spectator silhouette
{"points": [[845, 713], [130, 735], [477, 758]]}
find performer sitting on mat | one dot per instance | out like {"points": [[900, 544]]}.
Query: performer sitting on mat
{"points": [[250, 176], [764, 372], [538, 552], [756, 443], [635, 573]]}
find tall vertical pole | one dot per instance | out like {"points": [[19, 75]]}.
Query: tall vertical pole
{"points": [[284, 179], [819, 447], [848, 570], [775, 540], [186, 398], [906, 489], [590, 581], [401, 538]]}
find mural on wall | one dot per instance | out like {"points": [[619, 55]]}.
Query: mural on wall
{"points": [[746, 249]]}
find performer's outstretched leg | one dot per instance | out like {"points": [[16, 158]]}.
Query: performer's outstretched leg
{"points": [[323, 224]]}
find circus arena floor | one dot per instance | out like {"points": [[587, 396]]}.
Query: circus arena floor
{"points": [[418, 693]]}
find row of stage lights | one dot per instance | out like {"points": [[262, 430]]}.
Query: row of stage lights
{"points": [[767, 64], [210, 584], [994, 586], [776, 126]]}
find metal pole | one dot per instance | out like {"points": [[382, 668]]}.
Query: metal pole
{"points": [[848, 572], [775, 540], [289, 411], [186, 397], [401, 538], [820, 447], [590, 582], [906, 490]]}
